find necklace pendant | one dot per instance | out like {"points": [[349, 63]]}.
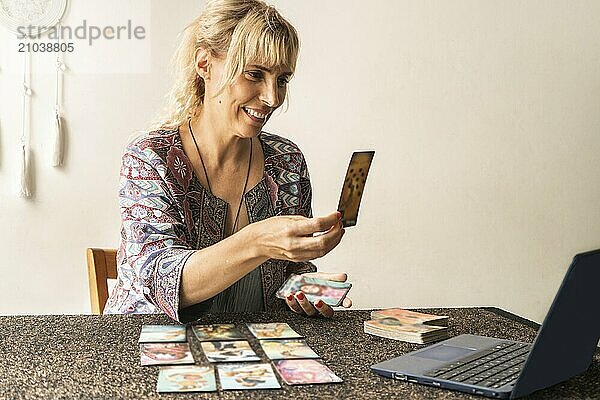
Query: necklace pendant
{"points": [[237, 216]]}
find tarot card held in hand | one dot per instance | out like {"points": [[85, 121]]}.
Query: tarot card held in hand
{"points": [[162, 333], [354, 185], [193, 378], [247, 376], [331, 292], [165, 353], [305, 372], [217, 332], [273, 330], [230, 351], [287, 348]]}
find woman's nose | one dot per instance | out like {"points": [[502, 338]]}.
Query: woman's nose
{"points": [[270, 95]]}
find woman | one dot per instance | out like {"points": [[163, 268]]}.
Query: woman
{"points": [[216, 214]]}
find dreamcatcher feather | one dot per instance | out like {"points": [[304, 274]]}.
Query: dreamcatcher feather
{"points": [[58, 130], [26, 189]]}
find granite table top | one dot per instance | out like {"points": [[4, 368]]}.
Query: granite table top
{"points": [[97, 357]]}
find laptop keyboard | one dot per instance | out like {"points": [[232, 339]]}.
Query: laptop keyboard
{"points": [[493, 368]]}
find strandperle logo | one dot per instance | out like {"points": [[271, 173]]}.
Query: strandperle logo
{"points": [[84, 31]]}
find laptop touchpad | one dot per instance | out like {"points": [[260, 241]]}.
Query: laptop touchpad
{"points": [[443, 353]]}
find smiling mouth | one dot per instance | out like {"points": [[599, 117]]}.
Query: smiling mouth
{"points": [[255, 115]]}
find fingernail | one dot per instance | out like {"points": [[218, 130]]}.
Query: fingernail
{"points": [[290, 297], [300, 296], [319, 304]]}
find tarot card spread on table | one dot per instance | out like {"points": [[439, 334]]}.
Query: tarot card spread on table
{"points": [[162, 333], [193, 378], [217, 332], [247, 376], [273, 330], [229, 351], [165, 353], [287, 348], [305, 372]]}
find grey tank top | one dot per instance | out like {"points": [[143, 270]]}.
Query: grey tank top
{"points": [[245, 295]]}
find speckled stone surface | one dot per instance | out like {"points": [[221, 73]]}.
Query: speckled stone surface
{"points": [[97, 357]]}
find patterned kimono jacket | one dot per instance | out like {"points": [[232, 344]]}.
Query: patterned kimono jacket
{"points": [[167, 215]]}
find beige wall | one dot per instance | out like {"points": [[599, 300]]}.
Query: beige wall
{"points": [[484, 115]]}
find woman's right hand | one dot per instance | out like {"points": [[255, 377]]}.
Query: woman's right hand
{"points": [[297, 238]]}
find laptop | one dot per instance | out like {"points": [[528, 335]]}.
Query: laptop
{"points": [[498, 368]]}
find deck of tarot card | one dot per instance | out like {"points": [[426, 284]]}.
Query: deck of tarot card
{"points": [[408, 326]]}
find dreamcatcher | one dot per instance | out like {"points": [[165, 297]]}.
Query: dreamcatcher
{"points": [[16, 15]]}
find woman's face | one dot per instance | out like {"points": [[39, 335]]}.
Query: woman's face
{"points": [[247, 104]]}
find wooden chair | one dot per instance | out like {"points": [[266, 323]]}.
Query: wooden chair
{"points": [[102, 265]]}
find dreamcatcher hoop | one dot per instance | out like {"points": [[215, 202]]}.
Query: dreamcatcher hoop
{"points": [[42, 14]]}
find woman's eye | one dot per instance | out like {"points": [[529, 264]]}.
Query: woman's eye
{"points": [[255, 75], [283, 81]]}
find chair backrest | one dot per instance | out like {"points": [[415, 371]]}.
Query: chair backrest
{"points": [[102, 265]]}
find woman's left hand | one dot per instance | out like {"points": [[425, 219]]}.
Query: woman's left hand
{"points": [[300, 304]]}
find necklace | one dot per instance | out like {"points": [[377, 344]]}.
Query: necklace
{"points": [[237, 215]]}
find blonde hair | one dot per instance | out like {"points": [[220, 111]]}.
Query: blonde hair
{"points": [[242, 31]]}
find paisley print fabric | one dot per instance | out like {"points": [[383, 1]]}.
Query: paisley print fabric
{"points": [[166, 215]]}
